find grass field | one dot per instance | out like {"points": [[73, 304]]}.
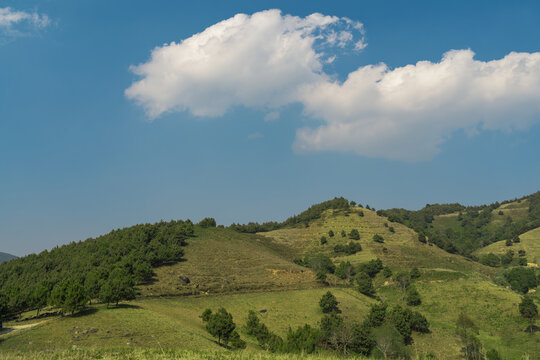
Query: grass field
{"points": [[494, 310], [222, 261], [530, 242], [175, 323]]}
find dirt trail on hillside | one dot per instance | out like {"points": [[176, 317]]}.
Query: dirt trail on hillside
{"points": [[16, 328]]}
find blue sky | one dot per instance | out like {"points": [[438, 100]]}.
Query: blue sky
{"points": [[79, 157]]}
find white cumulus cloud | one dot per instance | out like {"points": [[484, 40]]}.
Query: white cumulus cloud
{"points": [[268, 60], [407, 112], [258, 60]]}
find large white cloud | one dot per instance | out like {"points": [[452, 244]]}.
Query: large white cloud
{"points": [[268, 60], [260, 60], [406, 113]]}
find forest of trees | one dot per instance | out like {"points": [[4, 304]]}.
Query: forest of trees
{"points": [[105, 268]]}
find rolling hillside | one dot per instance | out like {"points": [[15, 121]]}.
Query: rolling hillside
{"points": [[242, 271], [530, 242]]}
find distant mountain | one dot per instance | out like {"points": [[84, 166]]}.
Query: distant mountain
{"points": [[6, 257]]}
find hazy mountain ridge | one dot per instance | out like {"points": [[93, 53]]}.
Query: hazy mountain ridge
{"points": [[6, 257]]}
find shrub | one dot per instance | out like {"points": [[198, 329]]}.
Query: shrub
{"points": [[343, 233], [378, 238], [413, 297], [349, 249], [403, 280], [521, 279], [527, 308], [377, 315], [391, 229], [323, 240], [493, 354], [221, 326], [330, 233], [207, 222], [303, 340], [329, 303], [490, 260], [320, 262], [415, 273], [362, 341], [236, 342], [354, 235], [387, 272], [419, 323], [372, 268], [364, 284], [390, 343], [252, 324], [344, 270]]}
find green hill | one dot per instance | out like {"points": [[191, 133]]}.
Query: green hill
{"points": [[183, 268], [529, 242], [465, 229], [6, 257]]}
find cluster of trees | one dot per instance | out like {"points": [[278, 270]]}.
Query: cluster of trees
{"points": [[521, 279], [383, 332], [221, 326], [506, 259], [312, 213], [349, 249], [474, 224], [104, 268]]}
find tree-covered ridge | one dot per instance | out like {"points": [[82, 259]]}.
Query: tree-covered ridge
{"points": [[312, 213], [474, 229], [25, 282]]}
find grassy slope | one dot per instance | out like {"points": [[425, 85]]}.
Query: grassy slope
{"points": [[175, 322], [515, 210], [222, 260], [403, 248], [494, 309], [530, 242]]}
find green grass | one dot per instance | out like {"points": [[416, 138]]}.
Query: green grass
{"points": [[162, 354], [493, 309], [403, 250], [223, 261], [175, 323], [530, 242], [244, 272]]}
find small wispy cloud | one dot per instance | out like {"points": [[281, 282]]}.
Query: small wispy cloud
{"points": [[256, 135], [14, 23], [271, 116]]}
